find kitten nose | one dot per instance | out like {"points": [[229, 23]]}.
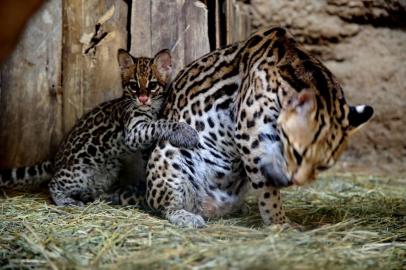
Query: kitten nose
{"points": [[143, 99]]}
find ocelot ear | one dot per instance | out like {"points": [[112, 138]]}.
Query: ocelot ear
{"points": [[302, 102], [124, 59], [163, 63], [358, 116]]}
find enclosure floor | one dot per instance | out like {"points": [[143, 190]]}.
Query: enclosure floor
{"points": [[348, 222]]}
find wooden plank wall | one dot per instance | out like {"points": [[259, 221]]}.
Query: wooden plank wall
{"points": [[232, 22], [61, 68], [93, 31], [178, 25]]}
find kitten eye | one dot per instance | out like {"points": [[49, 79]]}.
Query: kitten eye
{"points": [[133, 85], [152, 86]]}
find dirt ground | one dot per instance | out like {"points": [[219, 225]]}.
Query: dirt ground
{"points": [[364, 44]]}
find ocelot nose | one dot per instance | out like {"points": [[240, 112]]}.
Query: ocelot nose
{"points": [[143, 99]]}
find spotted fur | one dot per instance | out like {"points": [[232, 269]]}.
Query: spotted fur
{"points": [[268, 114], [89, 159]]}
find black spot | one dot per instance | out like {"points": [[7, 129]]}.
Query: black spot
{"points": [[213, 136], [32, 171], [199, 126], [267, 195], [257, 160], [92, 150], [185, 153], [254, 144], [210, 121], [245, 136], [245, 150], [220, 175], [20, 173], [160, 184], [207, 108], [169, 154], [176, 166], [243, 115], [223, 105], [250, 123]]}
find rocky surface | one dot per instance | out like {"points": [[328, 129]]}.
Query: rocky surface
{"points": [[363, 42]]}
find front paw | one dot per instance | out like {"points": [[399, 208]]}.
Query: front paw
{"points": [[184, 135]]}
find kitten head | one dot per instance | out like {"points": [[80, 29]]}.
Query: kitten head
{"points": [[144, 79]]}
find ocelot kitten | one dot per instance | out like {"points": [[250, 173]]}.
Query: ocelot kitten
{"points": [[268, 114], [89, 159]]}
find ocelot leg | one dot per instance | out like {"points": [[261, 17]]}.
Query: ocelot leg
{"points": [[170, 189], [65, 190]]}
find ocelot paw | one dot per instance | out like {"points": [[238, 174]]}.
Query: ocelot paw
{"points": [[67, 201], [185, 219], [184, 135]]}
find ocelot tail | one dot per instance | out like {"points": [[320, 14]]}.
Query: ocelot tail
{"points": [[268, 115], [89, 159]]}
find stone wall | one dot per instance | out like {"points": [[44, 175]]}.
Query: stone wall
{"points": [[363, 42]]}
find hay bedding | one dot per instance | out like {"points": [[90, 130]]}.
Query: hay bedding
{"points": [[348, 223]]}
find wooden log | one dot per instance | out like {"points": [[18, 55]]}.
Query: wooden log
{"points": [[93, 32], [30, 88]]}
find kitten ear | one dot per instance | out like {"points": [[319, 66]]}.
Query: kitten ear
{"points": [[358, 116], [124, 59], [163, 63]]}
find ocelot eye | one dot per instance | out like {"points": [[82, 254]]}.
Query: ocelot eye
{"points": [[152, 86], [133, 86]]}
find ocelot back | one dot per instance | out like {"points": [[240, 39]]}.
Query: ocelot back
{"points": [[89, 159], [268, 114]]}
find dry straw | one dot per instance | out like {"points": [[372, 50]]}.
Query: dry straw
{"points": [[347, 223]]}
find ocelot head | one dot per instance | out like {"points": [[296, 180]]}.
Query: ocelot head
{"points": [[315, 121], [144, 79]]}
